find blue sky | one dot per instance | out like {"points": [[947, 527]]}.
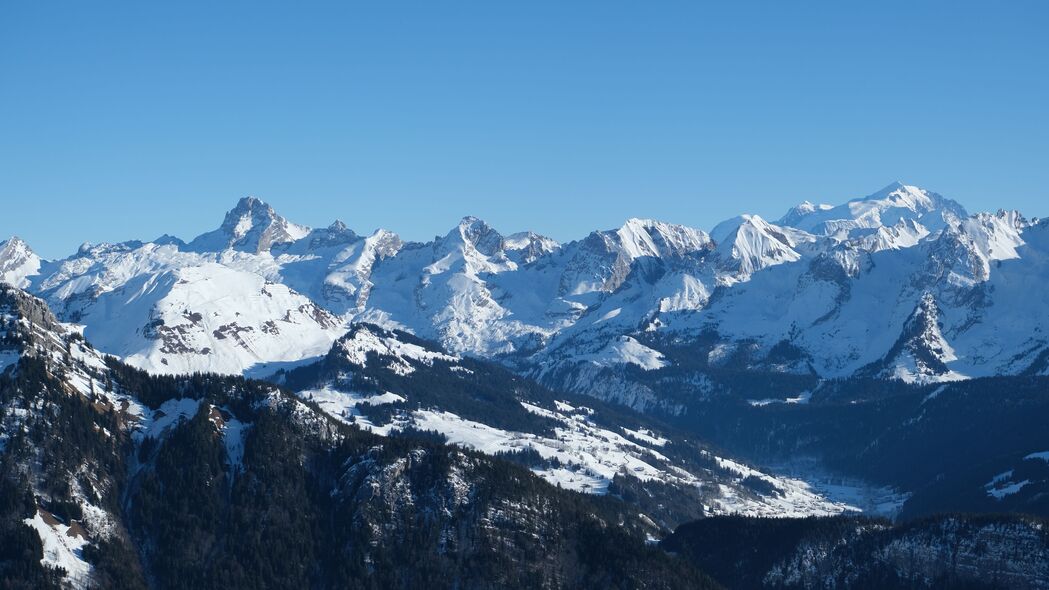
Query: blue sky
{"points": [[124, 121]]}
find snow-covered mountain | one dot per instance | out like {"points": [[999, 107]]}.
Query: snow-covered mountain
{"points": [[17, 262], [921, 354], [252, 226], [827, 291], [885, 208], [390, 382]]}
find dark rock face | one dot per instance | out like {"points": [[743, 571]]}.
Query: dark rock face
{"points": [[847, 552]]}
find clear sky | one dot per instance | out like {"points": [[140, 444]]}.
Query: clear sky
{"points": [[128, 120]]}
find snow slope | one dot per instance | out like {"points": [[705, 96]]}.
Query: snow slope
{"points": [[380, 380]]}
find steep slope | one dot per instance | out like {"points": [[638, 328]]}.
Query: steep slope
{"points": [[844, 309], [921, 354], [602, 261], [170, 310]]}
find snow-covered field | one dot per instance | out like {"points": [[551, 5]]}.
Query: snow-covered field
{"points": [[585, 457], [63, 546]]}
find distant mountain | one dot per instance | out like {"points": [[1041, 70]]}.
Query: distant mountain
{"points": [[811, 282], [17, 262], [253, 227]]}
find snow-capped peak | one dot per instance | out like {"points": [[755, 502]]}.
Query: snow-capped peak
{"points": [[903, 195], [478, 234], [336, 234], [348, 283], [921, 354], [399, 354], [963, 252], [727, 229], [749, 243], [603, 260], [884, 208], [648, 237], [526, 247], [252, 226], [17, 262], [996, 235], [801, 210]]}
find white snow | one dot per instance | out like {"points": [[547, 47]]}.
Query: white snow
{"points": [[908, 366], [749, 244], [366, 341], [934, 393], [1043, 455], [894, 203], [627, 350], [850, 491], [797, 498], [17, 263], [590, 456], [1008, 489], [62, 549], [169, 414], [233, 433], [1002, 485], [647, 436], [647, 237], [801, 398], [343, 406]]}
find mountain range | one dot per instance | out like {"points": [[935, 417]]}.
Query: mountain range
{"points": [[888, 356], [828, 291]]}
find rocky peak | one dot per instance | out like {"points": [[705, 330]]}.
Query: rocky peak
{"points": [[335, 234], [251, 226], [903, 195], [800, 211], [749, 243], [477, 234], [27, 323], [921, 353], [527, 247], [884, 208], [18, 262], [647, 237]]}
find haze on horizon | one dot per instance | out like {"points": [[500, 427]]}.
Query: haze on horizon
{"points": [[133, 121]]}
